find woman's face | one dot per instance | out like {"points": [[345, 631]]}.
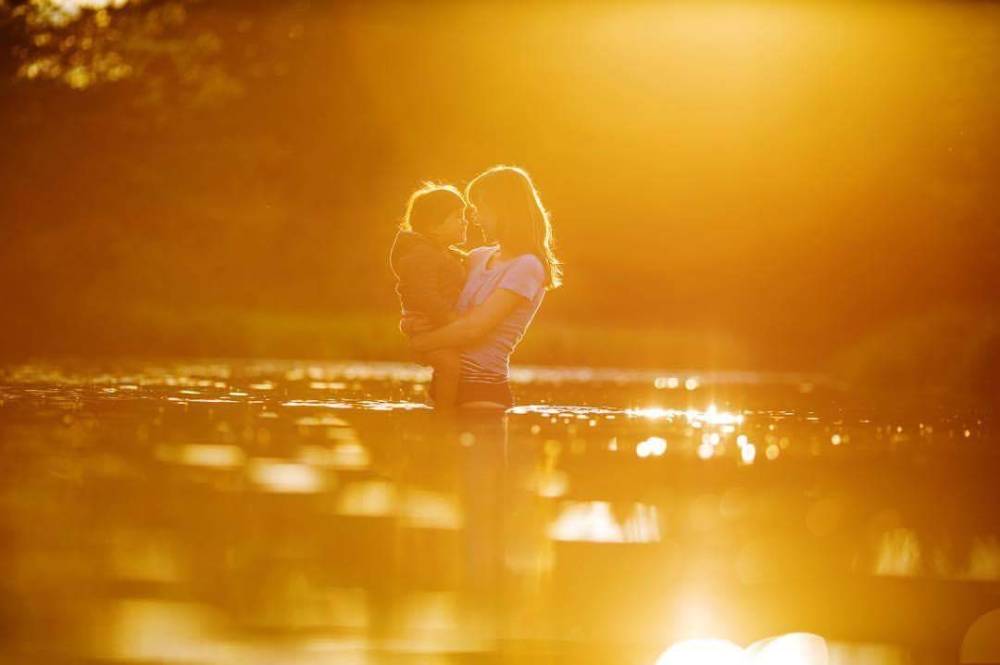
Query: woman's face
{"points": [[486, 218], [452, 230]]}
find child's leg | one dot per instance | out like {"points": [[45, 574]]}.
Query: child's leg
{"points": [[446, 371]]}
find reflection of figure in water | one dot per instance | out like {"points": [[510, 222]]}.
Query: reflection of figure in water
{"points": [[464, 458], [489, 567], [504, 543], [482, 464], [430, 273], [506, 282]]}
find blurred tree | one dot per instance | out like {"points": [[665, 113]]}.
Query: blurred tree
{"points": [[85, 43]]}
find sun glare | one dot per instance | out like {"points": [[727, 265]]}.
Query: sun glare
{"points": [[703, 652], [790, 649]]}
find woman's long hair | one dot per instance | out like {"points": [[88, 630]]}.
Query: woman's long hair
{"points": [[523, 224]]}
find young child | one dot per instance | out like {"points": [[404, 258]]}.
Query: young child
{"points": [[430, 274]]}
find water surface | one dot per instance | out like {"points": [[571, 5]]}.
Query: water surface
{"points": [[291, 512]]}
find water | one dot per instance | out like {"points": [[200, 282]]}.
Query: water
{"points": [[279, 512]]}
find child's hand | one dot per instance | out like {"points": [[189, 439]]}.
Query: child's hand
{"points": [[414, 324]]}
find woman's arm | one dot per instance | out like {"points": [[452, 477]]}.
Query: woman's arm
{"points": [[473, 325]]}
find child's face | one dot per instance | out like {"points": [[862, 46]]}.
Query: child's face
{"points": [[452, 230]]}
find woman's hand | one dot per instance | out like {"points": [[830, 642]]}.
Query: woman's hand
{"points": [[418, 343], [414, 324]]}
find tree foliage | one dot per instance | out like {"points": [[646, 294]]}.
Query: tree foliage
{"points": [[86, 43]]}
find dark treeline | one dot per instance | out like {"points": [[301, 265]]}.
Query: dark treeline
{"points": [[802, 180]]}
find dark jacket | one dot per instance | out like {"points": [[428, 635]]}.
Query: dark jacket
{"points": [[428, 277]]}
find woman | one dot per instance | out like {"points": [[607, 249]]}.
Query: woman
{"points": [[505, 286]]}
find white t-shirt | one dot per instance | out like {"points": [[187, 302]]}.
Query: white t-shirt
{"points": [[488, 361]]}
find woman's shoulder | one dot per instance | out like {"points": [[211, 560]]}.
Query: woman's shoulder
{"points": [[525, 275], [528, 263]]}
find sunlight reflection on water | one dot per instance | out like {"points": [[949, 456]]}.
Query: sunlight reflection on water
{"points": [[210, 511]]}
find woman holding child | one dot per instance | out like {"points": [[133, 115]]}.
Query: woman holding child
{"points": [[505, 282]]}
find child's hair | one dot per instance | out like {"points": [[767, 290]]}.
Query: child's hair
{"points": [[523, 224], [430, 205]]}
